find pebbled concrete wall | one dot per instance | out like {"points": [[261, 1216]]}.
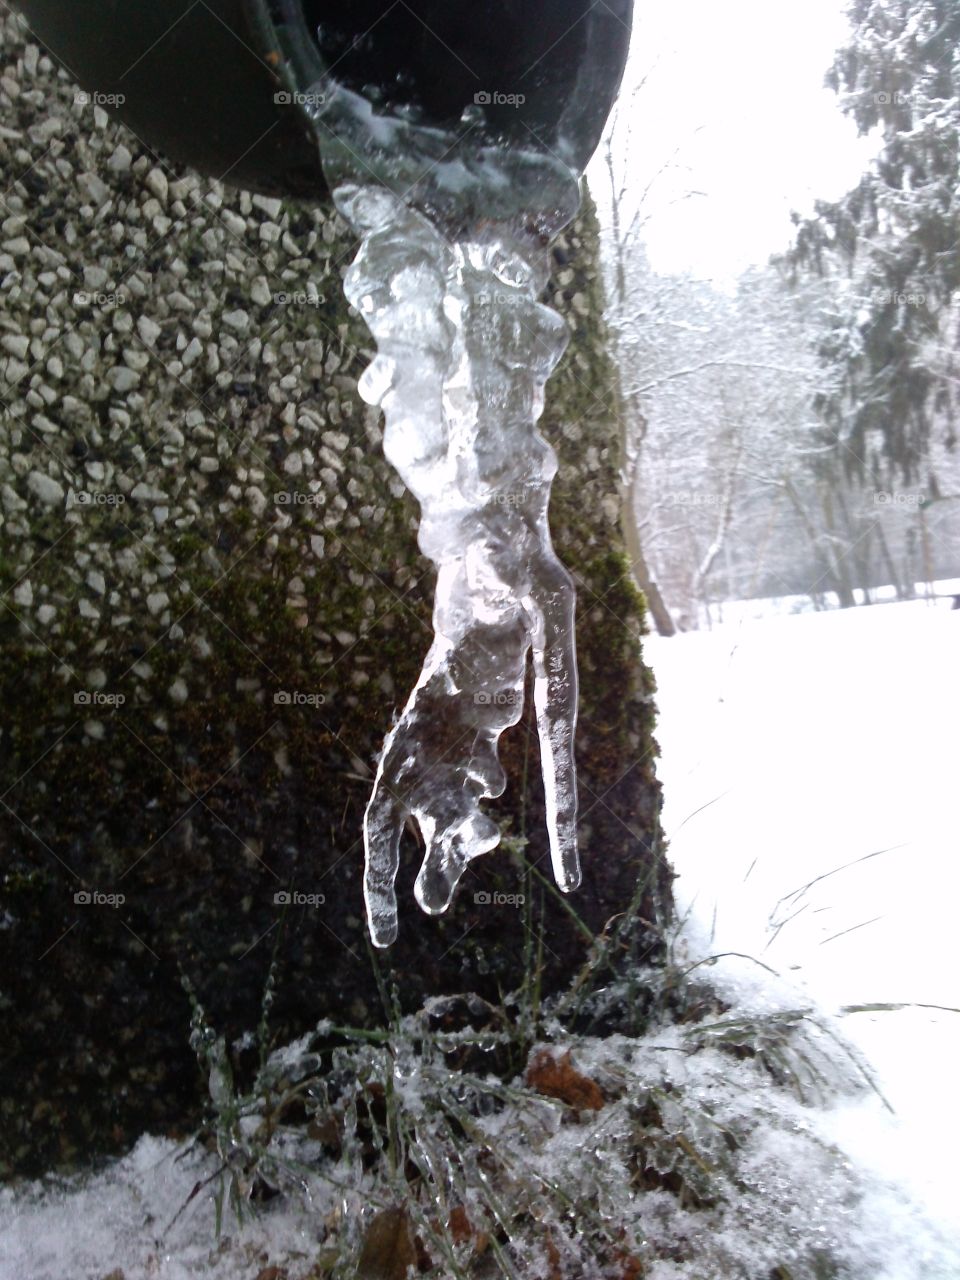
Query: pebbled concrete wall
{"points": [[211, 605]]}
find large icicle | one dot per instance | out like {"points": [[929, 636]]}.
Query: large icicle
{"points": [[464, 350]]}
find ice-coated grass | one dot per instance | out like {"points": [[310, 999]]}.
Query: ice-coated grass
{"points": [[706, 1156]]}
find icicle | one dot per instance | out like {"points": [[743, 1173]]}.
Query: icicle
{"points": [[464, 350]]}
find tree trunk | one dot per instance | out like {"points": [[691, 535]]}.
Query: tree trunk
{"points": [[901, 588], [656, 606], [836, 553], [859, 547], [825, 559], [629, 414]]}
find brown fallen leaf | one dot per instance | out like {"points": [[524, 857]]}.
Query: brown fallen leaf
{"points": [[326, 1129], [461, 1228], [462, 1231], [633, 1268], [553, 1257], [560, 1079], [388, 1248]]}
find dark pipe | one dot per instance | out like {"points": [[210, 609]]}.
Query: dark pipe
{"points": [[205, 84]]}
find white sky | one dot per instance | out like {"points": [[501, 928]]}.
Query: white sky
{"points": [[738, 88]]}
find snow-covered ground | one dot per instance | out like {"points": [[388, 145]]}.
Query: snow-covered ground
{"points": [[810, 765], [808, 762]]}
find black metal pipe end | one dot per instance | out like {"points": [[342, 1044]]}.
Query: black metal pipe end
{"points": [[218, 85]]}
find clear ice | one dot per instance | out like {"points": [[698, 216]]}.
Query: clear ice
{"points": [[451, 263]]}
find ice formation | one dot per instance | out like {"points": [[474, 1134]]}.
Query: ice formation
{"points": [[451, 263]]}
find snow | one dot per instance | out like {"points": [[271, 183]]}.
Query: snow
{"points": [[121, 1218], [807, 763], [825, 745]]}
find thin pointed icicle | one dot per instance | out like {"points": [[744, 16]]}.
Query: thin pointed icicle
{"points": [[555, 700]]}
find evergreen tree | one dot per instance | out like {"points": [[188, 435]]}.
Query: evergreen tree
{"points": [[897, 235]]}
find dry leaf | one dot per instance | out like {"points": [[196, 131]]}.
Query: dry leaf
{"points": [[461, 1228], [560, 1079], [388, 1248], [553, 1257], [633, 1268]]}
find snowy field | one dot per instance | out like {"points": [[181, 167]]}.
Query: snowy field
{"points": [[810, 767], [809, 762]]}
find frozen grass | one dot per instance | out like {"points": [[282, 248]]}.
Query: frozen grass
{"points": [[608, 1166], [697, 1148]]}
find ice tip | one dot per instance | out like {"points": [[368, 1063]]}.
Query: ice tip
{"points": [[383, 933], [570, 881]]}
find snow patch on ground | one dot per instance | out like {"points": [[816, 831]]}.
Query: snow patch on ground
{"points": [[826, 745]]}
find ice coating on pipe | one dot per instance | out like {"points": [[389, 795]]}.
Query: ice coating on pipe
{"points": [[464, 349]]}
